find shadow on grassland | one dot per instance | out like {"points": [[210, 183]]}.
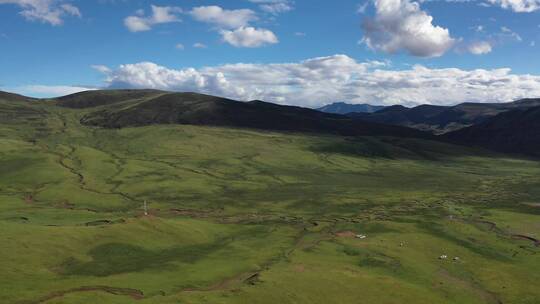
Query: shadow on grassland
{"points": [[397, 148]]}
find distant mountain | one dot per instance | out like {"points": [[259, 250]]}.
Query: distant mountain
{"points": [[344, 108], [515, 131], [442, 119], [133, 110]]}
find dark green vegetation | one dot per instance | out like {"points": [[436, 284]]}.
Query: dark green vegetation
{"points": [[443, 119], [197, 109], [516, 131], [252, 216], [345, 108]]}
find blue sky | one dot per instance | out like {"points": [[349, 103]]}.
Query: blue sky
{"points": [[304, 52]]}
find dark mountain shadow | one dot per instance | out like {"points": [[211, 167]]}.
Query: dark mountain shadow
{"points": [[516, 131]]}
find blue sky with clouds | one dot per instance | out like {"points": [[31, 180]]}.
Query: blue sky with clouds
{"points": [[302, 52]]}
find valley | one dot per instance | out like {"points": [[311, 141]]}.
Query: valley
{"points": [[244, 210]]}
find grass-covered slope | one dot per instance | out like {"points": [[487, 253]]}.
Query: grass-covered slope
{"points": [[199, 109], [243, 216], [516, 131], [11, 97], [91, 99]]}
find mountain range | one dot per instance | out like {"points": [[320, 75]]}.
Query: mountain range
{"points": [[441, 119], [515, 131], [506, 127], [345, 108], [130, 108]]}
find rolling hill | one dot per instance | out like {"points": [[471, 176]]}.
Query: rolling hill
{"points": [[345, 108], [12, 97], [515, 131], [90, 99], [252, 215], [144, 108]]}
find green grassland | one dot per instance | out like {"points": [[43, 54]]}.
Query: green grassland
{"points": [[246, 216]]}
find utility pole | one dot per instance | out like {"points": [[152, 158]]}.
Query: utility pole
{"points": [[145, 208]]}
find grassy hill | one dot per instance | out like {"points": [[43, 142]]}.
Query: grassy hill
{"points": [[200, 109], [11, 97], [516, 131], [239, 215], [91, 99]]}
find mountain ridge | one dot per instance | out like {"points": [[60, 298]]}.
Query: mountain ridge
{"points": [[345, 108], [507, 127], [443, 119], [514, 131], [201, 109]]}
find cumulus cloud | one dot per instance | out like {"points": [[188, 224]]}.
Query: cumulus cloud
{"points": [[486, 42], [274, 7], [401, 25], [46, 11], [249, 37], [318, 81], [160, 14], [233, 25], [479, 47], [223, 18], [151, 75], [519, 6]]}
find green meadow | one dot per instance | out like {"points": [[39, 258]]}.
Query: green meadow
{"points": [[247, 216]]}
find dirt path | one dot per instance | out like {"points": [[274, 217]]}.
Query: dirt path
{"points": [[133, 293], [529, 238]]}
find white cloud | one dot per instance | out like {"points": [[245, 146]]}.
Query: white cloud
{"points": [[506, 32], [400, 25], [199, 45], [223, 18], [249, 37], [101, 68], [519, 6], [46, 11], [274, 7], [71, 9], [179, 46], [479, 28], [479, 47], [318, 81], [160, 14], [46, 91], [361, 8], [233, 25]]}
